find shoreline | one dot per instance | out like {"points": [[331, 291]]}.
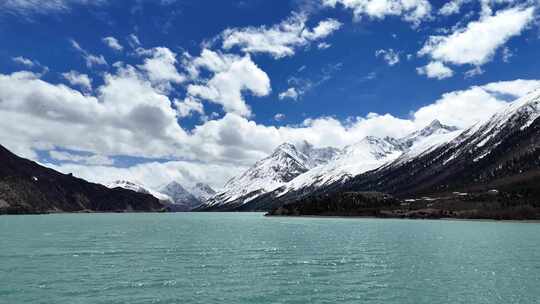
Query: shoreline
{"points": [[532, 221], [266, 215]]}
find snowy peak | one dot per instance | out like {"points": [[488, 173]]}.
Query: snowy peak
{"points": [[434, 128], [202, 191], [373, 147], [138, 188], [317, 156], [285, 163], [367, 154], [180, 195]]}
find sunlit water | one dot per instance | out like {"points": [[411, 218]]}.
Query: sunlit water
{"points": [[247, 258]]}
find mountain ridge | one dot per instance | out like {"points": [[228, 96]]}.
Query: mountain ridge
{"points": [[337, 166], [27, 187]]}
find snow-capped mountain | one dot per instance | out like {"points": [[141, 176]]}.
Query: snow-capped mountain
{"points": [[180, 195], [173, 194], [302, 168], [284, 164], [139, 188], [369, 154], [502, 153], [202, 191]]}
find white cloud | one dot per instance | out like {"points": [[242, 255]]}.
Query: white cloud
{"points": [[160, 67], [83, 159], [390, 56], [476, 44], [474, 72], [435, 69], [189, 106], [24, 61], [280, 40], [452, 7], [478, 103], [127, 115], [133, 41], [29, 7], [77, 79], [232, 75], [515, 88], [323, 45], [90, 59], [279, 117], [507, 54], [156, 174], [291, 93], [113, 43], [413, 11]]}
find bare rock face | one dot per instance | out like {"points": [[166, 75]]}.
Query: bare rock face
{"points": [[26, 187]]}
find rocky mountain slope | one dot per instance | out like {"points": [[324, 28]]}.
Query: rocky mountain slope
{"points": [[173, 195], [27, 187], [202, 191], [367, 154], [282, 166], [501, 155], [137, 187]]}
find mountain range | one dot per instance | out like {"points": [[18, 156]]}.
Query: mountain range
{"points": [[27, 187], [500, 155], [173, 195], [491, 169], [291, 169]]}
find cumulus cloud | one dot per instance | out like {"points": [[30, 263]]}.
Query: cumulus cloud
{"points": [[289, 93], [126, 116], [155, 174], [390, 56], [515, 88], [414, 11], [232, 76], [478, 103], [452, 7], [160, 67], [189, 106], [280, 40], [113, 43], [77, 79], [477, 42], [435, 69]]}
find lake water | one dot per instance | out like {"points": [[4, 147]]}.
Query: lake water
{"points": [[247, 258]]}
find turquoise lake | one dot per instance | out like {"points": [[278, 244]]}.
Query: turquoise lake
{"points": [[247, 258]]}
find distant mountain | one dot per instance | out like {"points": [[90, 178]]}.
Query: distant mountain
{"points": [[499, 152], [27, 187], [202, 191], [139, 188], [173, 195], [491, 170], [284, 164], [182, 199], [339, 166]]}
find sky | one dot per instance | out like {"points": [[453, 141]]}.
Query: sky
{"points": [[196, 91]]}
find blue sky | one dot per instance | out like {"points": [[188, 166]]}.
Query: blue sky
{"points": [[198, 90]]}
